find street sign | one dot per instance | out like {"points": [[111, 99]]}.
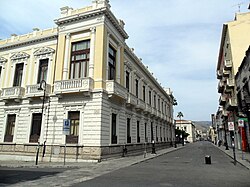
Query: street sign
{"points": [[66, 126], [231, 126], [240, 123]]}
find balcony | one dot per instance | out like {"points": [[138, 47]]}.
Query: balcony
{"points": [[219, 74], [141, 105], [154, 112], [32, 90], [220, 86], [228, 64], [224, 113], [148, 108], [13, 92], [74, 86], [230, 83], [115, 89], [231, 104], [131, 99], [222, 100], [226, 73]]}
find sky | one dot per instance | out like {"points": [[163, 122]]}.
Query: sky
{"points": [[177, 39]]}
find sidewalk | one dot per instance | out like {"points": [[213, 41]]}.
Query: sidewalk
{"points": [[242, 158]]}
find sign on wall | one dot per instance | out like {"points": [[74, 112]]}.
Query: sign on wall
{"points": [[66, 126]]}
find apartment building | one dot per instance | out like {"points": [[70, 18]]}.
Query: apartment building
{"points": [[234, 42], [188, 127], [83, 76]]}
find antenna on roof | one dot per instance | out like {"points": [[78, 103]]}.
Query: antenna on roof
{"points": [[239, 5]]}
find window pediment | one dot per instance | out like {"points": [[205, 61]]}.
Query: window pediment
{"points": [[19, 55], [2, 60], [44, 51]]}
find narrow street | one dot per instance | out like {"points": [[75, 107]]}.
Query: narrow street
{"points": [[185, 167]]}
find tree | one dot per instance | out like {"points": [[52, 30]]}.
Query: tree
{"points": [[180, 115]]}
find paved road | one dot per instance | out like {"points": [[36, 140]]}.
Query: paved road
{"points": [[10, 176], [185, 167]]}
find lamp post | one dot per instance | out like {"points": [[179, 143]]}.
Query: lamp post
{"points": [[42, 87]]}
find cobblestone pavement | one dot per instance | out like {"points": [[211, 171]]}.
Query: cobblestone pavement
{"points": [[81, 171]]}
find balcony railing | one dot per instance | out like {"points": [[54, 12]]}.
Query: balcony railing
{"points": [[226, 73], [33, 91], [115, 89], [219, 74], [141, 105], [231, 104], [131, 99], [222, 100], [228, 64], [148, 108], [230, 82], [13, 92], [221, 86], [74, 85]]}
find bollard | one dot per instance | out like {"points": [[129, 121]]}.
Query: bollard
{"points": [[37, 152], [208, 159]]}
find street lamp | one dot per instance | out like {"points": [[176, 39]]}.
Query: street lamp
{"points": [[180, 115], [42, 87]]}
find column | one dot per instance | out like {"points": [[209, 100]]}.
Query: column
{"points": [[66, 57], [92, 52]]}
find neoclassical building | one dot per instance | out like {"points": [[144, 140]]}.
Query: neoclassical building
{"points": [[80, 75]]}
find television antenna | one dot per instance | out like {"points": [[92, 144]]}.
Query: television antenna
{"points": [[238, 5]]}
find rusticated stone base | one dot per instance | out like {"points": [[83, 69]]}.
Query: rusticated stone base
{"points": [[76, 153]]}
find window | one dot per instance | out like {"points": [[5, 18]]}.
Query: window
{"points": [[43, 70], [18, 75], [162, 107], [74, 117], [0, 71], [152, 132], [79, 59], [36, 127], [159, 104], [155, 101], [113, 129], [149, 97], [138, 131], [145, 133], [144, 93], [9, 133], [128, 131], [156, 132], [127, 80], [112, 63], [160, 134], [136, 87], [185, 128]]}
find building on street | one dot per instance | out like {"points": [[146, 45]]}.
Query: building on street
{"points": [[79, 86], [188, 127]]}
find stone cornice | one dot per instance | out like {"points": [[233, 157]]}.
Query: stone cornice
{"points": [[27, 42], [92, 14], [131, 54]]}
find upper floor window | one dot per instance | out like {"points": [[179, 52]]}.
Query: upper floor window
{"points": [[136, 88], [0, 71], [144, 93], [18, 75], [43, 70], [127, 80], [112, 63], [79, 59], [159, 104], [149, 97], [155, 101]]}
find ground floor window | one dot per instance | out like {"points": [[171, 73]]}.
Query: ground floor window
{"points": [[138, 131], [152, 132], [128, 131], [9, 133], [113, 129], [74, 117], [35, 127]]}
